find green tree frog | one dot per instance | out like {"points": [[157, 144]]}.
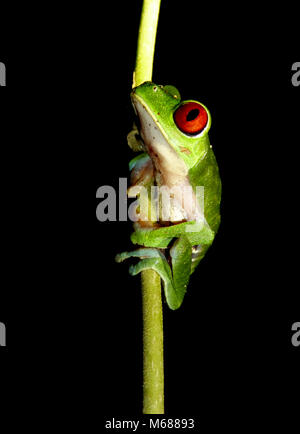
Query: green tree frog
{"points": [[175, 153]]}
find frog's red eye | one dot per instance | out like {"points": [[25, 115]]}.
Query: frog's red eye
{"points": [[191, 118]]}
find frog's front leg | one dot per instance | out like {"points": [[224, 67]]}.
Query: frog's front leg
{"points": [[175, 278]]}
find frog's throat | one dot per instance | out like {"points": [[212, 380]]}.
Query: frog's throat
{"points": [[170, 169]]}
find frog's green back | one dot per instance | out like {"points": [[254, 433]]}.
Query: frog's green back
{"points": [[206, 173]]}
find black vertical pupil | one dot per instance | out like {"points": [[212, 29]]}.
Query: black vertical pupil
{"points": [[192, 114]]}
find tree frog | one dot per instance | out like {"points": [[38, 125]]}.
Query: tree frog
{"points": [[172, 138]]}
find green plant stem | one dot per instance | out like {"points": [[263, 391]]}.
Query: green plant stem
{"points": [[153, 360], [146, 42]]}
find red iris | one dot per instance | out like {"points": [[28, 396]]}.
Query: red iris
{"points": [[191, 118]]}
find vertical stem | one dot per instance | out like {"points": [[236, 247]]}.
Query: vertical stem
{"points": [[153, 362], [153, 344], [146, 42]]}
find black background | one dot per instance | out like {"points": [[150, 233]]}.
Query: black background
{"points": [[73, 316]]}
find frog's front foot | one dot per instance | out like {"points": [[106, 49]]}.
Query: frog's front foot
{"points": [[175, 280], [154, 259]]}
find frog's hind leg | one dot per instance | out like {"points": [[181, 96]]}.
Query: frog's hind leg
{"points": [[181, 256], [198, 253]]}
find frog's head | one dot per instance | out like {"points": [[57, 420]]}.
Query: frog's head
{"points": [[173, 129]]}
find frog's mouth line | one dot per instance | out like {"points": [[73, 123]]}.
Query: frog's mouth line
{"points": [[170, 169]]}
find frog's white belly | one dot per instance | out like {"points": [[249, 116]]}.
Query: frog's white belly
{"points": [[170, 170]]}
